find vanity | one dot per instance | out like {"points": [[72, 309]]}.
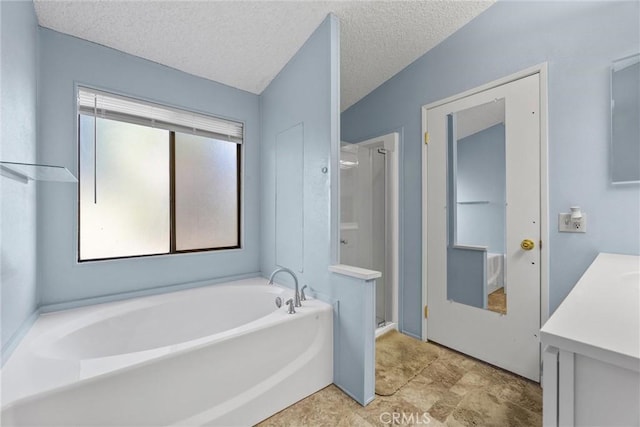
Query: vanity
{"points": [[591, 348]]}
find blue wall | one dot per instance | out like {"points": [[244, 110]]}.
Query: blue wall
{"points": [[579, 40], [19, 53], [481, 176], [66, 61], [306, 92], [301, 94]]}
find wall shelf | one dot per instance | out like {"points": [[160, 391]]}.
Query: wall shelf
{"points": [[475, 202], [349, 226], [25, 172]]}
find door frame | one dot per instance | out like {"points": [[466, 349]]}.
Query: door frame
{"points": [[391, 143], [542, 70]]}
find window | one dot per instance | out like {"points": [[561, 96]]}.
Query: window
{"points": [[155, 180]]}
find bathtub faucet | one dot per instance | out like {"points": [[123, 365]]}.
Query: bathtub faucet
{"points": [[296, 298]]}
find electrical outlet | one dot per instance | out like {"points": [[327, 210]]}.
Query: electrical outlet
{"points": [[568, 225]]}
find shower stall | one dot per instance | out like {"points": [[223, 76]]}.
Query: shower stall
{"points": [[369, 217]]}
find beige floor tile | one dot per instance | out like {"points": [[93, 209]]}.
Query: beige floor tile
{"points": [[444, 372], [479, 408], [354, 420], [421, 392], [445, 405], [510, 387], [525, 394], [470, 381], [328, 406], [457, 359], [454, 390], [390, 410]]}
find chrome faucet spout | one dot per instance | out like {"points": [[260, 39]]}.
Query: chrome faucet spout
{"points": [[296, 298]]}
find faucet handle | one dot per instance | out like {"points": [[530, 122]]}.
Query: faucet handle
{"points": [[292, 309], [303, 297]]}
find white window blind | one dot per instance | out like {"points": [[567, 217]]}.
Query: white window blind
{"points": [[92, 102]]}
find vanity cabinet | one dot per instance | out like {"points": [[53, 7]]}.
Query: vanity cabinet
{"points": [[591, 358]]}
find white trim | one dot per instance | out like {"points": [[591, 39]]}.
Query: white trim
{"points": [[566, 384], [499, 82], [391, 142], [357, 272], [386, 328], [544, 194], [334, 144], [550, 387], [542, 70], [627, 61], [424, 221]]}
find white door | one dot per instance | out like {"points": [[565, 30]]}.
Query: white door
{"points": [[483, 225]]}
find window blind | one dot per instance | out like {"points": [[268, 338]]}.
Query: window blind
{"points": [[92, 102]]}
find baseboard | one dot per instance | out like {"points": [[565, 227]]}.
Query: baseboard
{"points": [[386, 328]]}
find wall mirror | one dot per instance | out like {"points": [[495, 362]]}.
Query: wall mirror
{"points": [[477, 195], [290, 198], [625, 120]]}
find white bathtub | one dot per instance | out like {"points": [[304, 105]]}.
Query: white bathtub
{"points": [[495, 272], [217, 355]]}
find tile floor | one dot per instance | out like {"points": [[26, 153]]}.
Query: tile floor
{"points": [[497, 301], [454, 390]]}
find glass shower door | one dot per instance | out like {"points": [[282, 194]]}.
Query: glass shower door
{"points": [[363, 214]]}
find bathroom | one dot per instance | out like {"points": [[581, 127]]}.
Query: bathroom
{"points": [[41, 68]]}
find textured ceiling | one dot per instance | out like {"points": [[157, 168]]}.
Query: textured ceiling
{"points": [[244, 44]]}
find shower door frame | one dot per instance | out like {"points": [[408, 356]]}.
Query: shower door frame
{"points": [[391, 143]]}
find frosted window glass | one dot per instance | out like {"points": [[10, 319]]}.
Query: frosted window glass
{"points": [[206, 198], [127, 213]]}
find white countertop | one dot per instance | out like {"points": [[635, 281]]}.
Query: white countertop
{"points": [[600, 318]]}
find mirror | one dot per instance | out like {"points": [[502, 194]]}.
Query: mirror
{"points": [[290, 198], [477, 198], [625, 120]]}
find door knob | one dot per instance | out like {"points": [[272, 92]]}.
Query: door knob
{"points": [[527, 244]]}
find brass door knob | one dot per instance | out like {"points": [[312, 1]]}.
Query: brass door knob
{"points": [[527, 244]]}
